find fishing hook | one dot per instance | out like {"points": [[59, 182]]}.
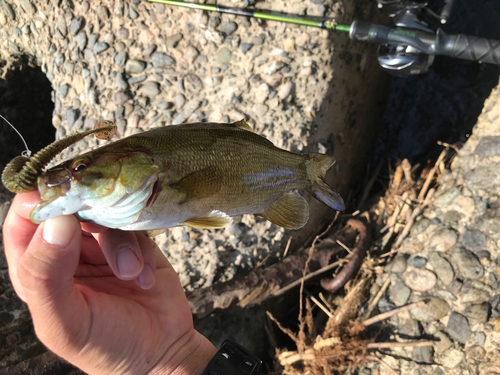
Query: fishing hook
{"points": [[69, 178]]}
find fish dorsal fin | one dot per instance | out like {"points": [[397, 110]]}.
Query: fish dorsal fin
{"points": [[242, 124], [200, 184], [155, 232], [216, 219], [290, 211]]}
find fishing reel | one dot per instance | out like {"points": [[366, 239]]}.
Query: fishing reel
{"points": [[404, 59]]}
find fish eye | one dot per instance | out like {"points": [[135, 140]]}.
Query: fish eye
{"points": [[80, 167]]}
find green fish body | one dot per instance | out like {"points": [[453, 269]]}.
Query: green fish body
{"points": [[195, 174]]}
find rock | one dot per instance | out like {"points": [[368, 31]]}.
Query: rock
{"points": [[192, 84], [468, 264], [260, 109], [149, 50], [28, 7], [102, 13], [478, 338], [223, 56], [488, 147], [191, 54], [62, 91], [150, 89], [469, 294], [121, 82], [466, 205], [132, 13], [274, 67], [71, 116], [443, 343], [475, 353], [135, 66], [479, 313], [137, 79], [398, 291], [229, 28], [173, 40], [420, 226], [76, 25], [302, 40], [213, 22], [122, 33], [185, 113], [398, 264], [416, 261], [258, 40], [285, 90], [180, 100], [81, 40], [443, 239], [289, 44], [165, 105], [100, 47], [483, 177], [120, 58], [245, 47], [423, 354], [160, 60], [433, 310], [420, 280], [458, 327], [452, 358], [489, 223], [474, 240], [445, 199], [452, 218], [120, 97], [442, 268]]}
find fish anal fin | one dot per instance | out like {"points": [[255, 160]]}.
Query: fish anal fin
{"points": [[290, 211], [200, 184], [216, 219], [155, 232]]}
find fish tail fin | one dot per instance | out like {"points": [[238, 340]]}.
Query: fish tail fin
{"points": [[316, 166]]}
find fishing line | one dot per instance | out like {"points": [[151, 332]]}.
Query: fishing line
{"points": [[27, 152]]}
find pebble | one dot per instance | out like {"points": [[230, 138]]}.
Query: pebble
{"points": [[474, 240], [229, 28], [191, 54], [478, 338], [165, 105], [132, 13], [185, 113], [148, 51], [76, 25], [483, 177], [71, 116], [274, 67], [443, 343], [476, 353], [121, 82], [416, 261], [399, 293], [62, 91], [445, 199], [442, 268], [420, 280], [120, 97], [469, 294], [120, 58], [452, 358], [488, 147], [179, 100], [100, 47], [479, 313], [398, 265], [433, 310], [468, 264], [458, 327], [260, 109], [245, 47], [285, 90], [122, 33], [223, 56], [150, 89], [443, 239], [173, 40], [160, 59], [423, 355], [135, 66], [81, 40]]}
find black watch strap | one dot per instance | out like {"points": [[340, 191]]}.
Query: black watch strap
{"points": [[233, 359]]}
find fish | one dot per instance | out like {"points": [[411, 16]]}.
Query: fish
{"points": [[199, 174]]}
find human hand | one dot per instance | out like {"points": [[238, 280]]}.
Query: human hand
{"points": [[107, 301]]}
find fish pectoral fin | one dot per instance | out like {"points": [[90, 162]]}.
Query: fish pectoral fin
{"points": [[290, 211], [155, 232], [200, 184], [216, 219], [242, 124]]}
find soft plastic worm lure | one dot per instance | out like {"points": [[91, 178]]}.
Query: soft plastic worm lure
{"points": [[20, 175]]}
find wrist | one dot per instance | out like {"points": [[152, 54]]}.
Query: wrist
{"points": [[190, 359]]}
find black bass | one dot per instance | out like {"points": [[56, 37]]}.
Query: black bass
{"points": [[194, 174]]}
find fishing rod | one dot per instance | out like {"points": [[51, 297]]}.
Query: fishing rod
{"points": [[406, 49]]}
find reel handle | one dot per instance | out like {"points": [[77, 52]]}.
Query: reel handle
{"points": [[470, 48]]}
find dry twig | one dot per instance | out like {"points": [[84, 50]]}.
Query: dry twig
{"points": [[388, 314]]}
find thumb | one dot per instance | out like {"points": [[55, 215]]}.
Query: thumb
{"points": [[46, 273]]}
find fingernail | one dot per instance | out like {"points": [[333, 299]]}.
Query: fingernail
{"points": [[128, 264], [56, 233], [146, 279]]}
